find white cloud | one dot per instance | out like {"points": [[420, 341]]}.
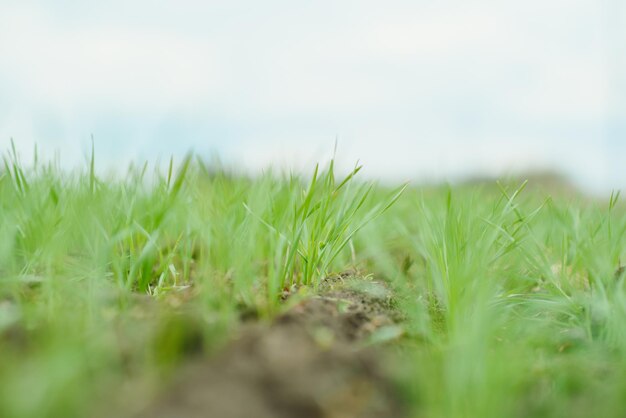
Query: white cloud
{"points": [[124, 68], [438, 89]]}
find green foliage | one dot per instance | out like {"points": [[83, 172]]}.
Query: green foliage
{"points": [[515, 301]]}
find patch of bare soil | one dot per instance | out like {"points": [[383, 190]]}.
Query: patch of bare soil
{"points": [[312, 361]]}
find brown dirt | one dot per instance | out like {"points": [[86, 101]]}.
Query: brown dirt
{"points": [[312, 361]]}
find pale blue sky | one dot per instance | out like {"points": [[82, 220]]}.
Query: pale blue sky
{"points": [[413, 89]]}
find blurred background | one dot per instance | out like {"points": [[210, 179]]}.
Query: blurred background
{"points": [[413, 89]]}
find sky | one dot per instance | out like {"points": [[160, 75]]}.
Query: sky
{"points": [[412, 89]]}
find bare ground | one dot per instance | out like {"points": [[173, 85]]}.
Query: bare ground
{"points": [[314, 361]]}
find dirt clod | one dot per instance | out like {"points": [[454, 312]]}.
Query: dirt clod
{"points": [[310, 362]]}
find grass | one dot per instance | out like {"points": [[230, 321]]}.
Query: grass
{"points": [[515, 299]]}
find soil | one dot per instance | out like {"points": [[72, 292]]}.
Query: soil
{"points": [[313, 361]]}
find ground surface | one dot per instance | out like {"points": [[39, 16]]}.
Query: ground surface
{"points": [[312, 361]]}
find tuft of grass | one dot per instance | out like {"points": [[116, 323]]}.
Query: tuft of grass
{"points": [[314, 224]]}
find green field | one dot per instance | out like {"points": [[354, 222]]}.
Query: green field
{"points": [[512, 294]]}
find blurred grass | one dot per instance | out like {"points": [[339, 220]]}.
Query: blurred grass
{"points": [[515, 300]]}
